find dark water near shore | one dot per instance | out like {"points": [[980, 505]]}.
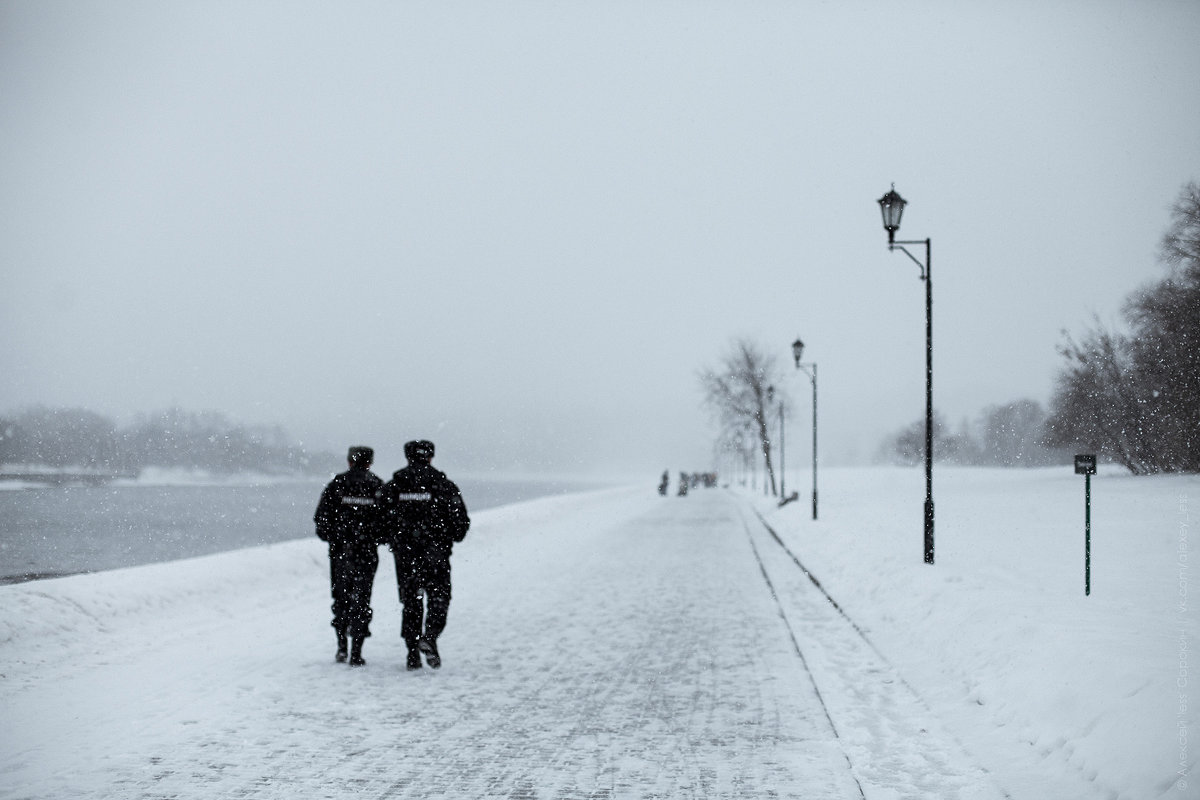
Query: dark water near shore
{"points": [[54, 531]]}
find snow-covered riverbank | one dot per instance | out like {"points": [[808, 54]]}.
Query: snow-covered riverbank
{"points": [[214, 675]]}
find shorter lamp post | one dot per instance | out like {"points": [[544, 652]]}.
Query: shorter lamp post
{"points": [[797, 352], [740, 459], [782, 457], [766, 421], [784, 497]]}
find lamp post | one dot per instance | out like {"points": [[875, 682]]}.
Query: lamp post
{"points": [[767, 421], [891, 205], [797, 352], [783, 498], [739, 458]]}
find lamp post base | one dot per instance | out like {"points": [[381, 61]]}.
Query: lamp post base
{"points": [[928, 531]]}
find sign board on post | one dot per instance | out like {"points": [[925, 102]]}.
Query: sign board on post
{"points": [[1085, 465]]}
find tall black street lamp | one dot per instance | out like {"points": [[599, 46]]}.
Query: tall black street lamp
{"points": [[891, 205], [798, 351]]}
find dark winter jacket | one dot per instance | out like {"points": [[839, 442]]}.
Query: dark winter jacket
{"points": [[348, 510], [423, 509]]}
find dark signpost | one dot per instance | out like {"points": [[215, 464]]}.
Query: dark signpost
{"points": [[1085, 465]]}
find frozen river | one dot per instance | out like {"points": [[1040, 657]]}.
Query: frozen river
{"points": [[54, 531]]}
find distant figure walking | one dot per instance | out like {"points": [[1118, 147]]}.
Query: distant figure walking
{"points": [[347, 518], [424, 516], [664, 483]]}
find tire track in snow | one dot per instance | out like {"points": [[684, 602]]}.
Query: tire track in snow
{"points": [[803, 660], [895, 745]]}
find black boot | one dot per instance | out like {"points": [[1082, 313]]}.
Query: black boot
{"points": [[341, 651], [414, 659], [356, 659], [429, 648]]}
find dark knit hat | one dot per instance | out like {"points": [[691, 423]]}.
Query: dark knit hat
{"points": [[361, 455]]}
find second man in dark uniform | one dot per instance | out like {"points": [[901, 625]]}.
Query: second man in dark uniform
{"points": [[424, 516]]}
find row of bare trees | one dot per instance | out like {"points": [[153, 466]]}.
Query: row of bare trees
{"points": [[741, 392], [1006, 435]]}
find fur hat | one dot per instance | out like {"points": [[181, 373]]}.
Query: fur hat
{"points": [[420, 450]]}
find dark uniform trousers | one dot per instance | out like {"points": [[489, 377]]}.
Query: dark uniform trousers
{"points": [[423, 575], [352, 565]]}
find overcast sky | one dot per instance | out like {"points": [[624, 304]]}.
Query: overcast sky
{"points": [[521, 229]]}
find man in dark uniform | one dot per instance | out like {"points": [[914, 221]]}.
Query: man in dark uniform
{"points": [[424, 517], [347, 517]]}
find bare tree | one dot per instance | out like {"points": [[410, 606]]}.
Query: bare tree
{"points": [[1180, 246], [1094, 404], [1136, 396], [736, 392], [1165, 320]]}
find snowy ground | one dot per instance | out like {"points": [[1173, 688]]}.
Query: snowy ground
{"points": [[618, 644], [1061, 695]]}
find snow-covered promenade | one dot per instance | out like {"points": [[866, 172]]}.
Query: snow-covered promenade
{"points": [[615, 644]]}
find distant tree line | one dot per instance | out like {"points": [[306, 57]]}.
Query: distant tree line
{"points": [[64, 438], [1008, 435]]}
